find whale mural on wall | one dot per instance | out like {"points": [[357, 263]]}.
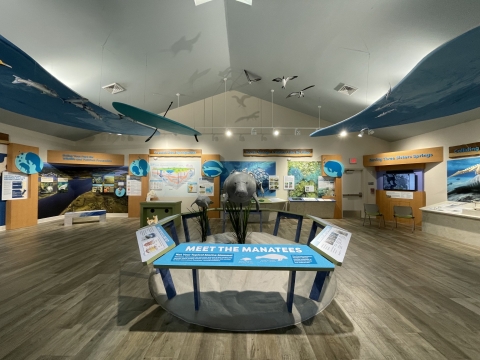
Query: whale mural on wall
{"points": [[443, 83]]}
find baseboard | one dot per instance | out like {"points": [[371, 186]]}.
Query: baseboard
{"points": [[3, 228], [62, 217], [49, 219]]}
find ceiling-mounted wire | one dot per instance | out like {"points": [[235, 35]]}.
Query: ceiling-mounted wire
{"points": [[272, 91], [319, 108]]}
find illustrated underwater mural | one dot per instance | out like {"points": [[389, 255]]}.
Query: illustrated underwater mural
{"points": [[443, 83], [463, 179], [260, 170]]}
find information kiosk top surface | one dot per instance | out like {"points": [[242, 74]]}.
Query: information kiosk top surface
{"points": [[244, 257]]}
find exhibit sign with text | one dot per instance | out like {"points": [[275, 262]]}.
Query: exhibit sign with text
{"points": [[14, 186], [278, 152], [332, 242], [153, 242], [418, 156], [244, 256], [464, 150], [134, 185], [84, 158]]}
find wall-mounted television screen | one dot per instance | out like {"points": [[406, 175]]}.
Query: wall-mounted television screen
{"points": [[400, 181]]}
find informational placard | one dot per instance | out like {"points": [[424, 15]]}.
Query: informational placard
{"points": [[332, 242], [174, 175], [400, 194], [244, 256], [273, 182], [134, 185], [289, 182], [153, 242], [326, 187], [14, 186], [206, 186]]}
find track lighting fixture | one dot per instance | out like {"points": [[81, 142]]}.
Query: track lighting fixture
{"points": [[254, 131], [365, 130]]}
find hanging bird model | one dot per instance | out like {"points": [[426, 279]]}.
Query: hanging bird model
{"points": [[300, 93], [284, 80], [251, 77]]}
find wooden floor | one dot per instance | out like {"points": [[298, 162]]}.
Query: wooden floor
{"points": [[81, 293]]}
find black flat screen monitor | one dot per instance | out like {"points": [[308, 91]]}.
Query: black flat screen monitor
{"points": [[400, 181]]}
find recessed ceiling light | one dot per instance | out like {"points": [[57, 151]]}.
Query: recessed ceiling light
{"points": [[343, 133], [248, 2], [228, 133], [200, 2]]}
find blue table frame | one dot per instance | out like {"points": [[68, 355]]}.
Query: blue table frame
{"points": [[190, 255]]}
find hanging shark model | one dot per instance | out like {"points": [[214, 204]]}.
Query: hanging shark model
{"points": [[443, 83]]}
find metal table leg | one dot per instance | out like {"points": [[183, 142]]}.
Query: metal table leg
{"points": [[318, 285], [291, 290], [196, 288], [167, 282]]}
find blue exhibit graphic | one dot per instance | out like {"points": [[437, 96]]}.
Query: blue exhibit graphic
{"points": [[463, 179], [140, 167], [212, 168], [28, 163], [334, 168], [260, 170], [244, 256], [443, 83], [120, 191]]}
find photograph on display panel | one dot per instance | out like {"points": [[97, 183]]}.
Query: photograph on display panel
{"points": [[463, 179]]}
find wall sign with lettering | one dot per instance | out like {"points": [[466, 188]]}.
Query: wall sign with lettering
{"points": [[464, 150], [278, 152]]}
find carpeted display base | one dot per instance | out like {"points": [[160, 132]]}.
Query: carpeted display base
{"points": [[243, 300]]}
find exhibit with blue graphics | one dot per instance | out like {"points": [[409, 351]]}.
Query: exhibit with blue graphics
{"points": [[28, 163], [140, 167], [244, 256], [212, 168], [334, 168]]}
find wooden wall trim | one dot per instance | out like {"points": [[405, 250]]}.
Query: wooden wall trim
{"points": [[385, 204], [134, 201], [22, 213]]}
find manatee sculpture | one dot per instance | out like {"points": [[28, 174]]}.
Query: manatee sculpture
{"points": [[202, 201], [240, 188]]}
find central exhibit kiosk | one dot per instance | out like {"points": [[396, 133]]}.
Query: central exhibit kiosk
{"points": [[268, 282]]}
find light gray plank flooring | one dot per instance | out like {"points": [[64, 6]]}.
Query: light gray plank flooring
{"points": [[81, 293]]}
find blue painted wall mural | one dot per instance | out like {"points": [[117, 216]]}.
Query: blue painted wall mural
{"points": [[445, 82]]}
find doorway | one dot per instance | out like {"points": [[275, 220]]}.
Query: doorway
{"points": [[353, 193]]}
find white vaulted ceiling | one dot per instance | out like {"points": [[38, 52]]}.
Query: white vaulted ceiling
{"points": [[157, 48]]}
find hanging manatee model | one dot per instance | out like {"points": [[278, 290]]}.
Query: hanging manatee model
{"points": [[240, 188], [202, 201]]}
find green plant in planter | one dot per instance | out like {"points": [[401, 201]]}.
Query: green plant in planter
{"points": [[202, 221], [239, 219]]}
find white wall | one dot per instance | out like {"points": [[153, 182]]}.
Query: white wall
{"points": [[436, 174], [32, 138]]}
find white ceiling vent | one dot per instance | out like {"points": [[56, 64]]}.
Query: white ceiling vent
{"points": [[346, 89], [113, 88]]}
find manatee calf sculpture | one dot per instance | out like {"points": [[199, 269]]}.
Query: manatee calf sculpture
{"points": [[240, 188], [202, 201]]}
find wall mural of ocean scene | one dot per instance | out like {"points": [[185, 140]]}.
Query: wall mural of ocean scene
{"points": [[463, 179], [261, 170]]}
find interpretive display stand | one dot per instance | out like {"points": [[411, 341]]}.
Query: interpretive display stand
{"points": [[153, 242], [332, 243]]}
